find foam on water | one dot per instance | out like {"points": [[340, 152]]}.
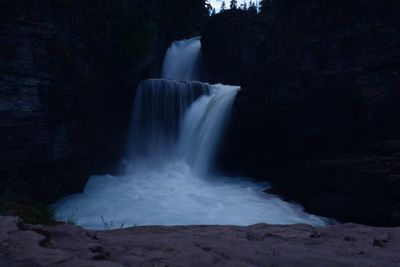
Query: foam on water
{"points": [[174, 195]]}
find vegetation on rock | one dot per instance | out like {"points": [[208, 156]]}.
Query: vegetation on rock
{"points": [[132, 29], [29, 210]]}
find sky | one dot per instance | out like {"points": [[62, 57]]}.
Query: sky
{"points": [[217, 3]]}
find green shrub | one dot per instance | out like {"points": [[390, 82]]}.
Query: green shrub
{"points": [[29, 212], [189, 16], [132, 29]]}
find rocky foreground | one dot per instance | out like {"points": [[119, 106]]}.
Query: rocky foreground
{"points": [[258, 245]]}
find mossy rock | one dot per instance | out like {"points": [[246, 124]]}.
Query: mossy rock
{"points": [[29, 212]]}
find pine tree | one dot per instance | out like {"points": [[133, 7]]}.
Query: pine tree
{"points": [[252, 7], [209, 7], [233, 4], [213, 12], [266, 6], [244, 6], [223, 6]]}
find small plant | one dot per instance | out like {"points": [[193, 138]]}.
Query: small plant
{"points": [[73, 219], [107, 225], [29, 211]]}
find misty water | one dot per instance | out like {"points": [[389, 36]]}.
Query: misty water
{"points": [[167, 176]]}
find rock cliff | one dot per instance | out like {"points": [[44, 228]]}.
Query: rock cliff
{"points": [[68, 71], [320, 83]]}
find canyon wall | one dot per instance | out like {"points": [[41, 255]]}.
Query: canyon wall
{"points": [[68, 72], [319, 110]]}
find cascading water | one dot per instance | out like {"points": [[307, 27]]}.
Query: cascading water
{"points": [[182, 60], [203, 125], [167, 180], [159, 108]]}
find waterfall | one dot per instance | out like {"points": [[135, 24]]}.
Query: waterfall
{"points": [[180, 120], [203, 125], [167, 179], [164, 127], [182, 60], [159, 108]]}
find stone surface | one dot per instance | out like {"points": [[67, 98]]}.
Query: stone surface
{"points": [[60, 96], [257, 245]]}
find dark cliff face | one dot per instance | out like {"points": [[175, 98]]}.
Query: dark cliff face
{"points": [[231, 44], [321, 82], [68, 71]]}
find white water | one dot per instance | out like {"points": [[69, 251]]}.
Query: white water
{"points": [[182, 60], [159, 108], [203, 125], [167, 178]]}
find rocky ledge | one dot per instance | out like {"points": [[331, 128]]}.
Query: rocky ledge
{"points": [[258, 245]]}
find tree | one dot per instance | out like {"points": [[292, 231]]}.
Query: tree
{"points": [[243, 6], [223, 6], [208, 6], [266, 7], [252, 7], [190, 16], [233, 4], [213, 12]]}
